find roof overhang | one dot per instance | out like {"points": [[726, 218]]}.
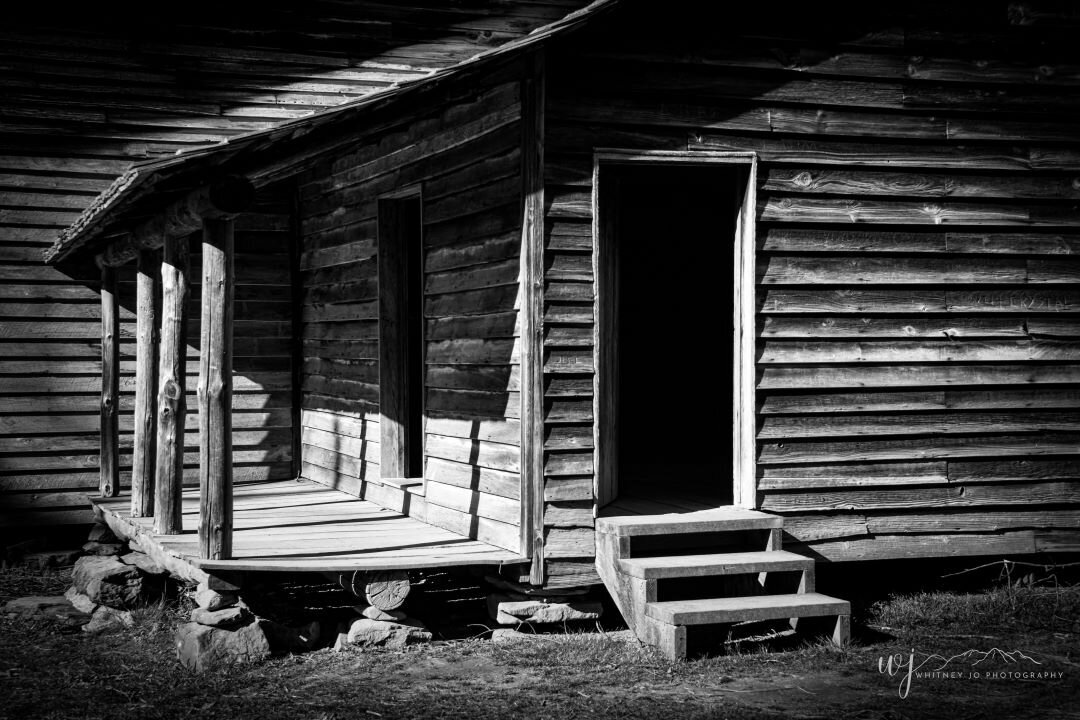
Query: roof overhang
{"points": [[128, 213]]}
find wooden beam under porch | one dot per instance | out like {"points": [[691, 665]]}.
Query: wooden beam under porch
{"points": [[290, 525]]}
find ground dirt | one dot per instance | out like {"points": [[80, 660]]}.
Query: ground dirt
{"points": [[48, 670]]}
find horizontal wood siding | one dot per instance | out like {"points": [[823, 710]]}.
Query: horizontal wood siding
{"points": [[49, 444], [86, 94], [464, 156], [917, 274]]}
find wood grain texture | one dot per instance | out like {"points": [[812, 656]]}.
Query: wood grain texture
{"points": [[148, 316], [82, 104], [914, 269], [109, 483], [337, 532], [172, 380], [532, 321], [464, 157], [215, 392]]}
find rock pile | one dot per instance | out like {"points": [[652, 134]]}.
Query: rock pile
{"points": [[381, 628], [518, 606], [108, 582], [222, 632]]}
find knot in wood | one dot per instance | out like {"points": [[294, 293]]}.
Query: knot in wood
{"points": [[803, 180], [171, 390]]}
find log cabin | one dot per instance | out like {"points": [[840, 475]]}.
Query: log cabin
{"points": [[509, 311]]}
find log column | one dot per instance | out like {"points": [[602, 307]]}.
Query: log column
{"points": [[215, 392], [148, 313], [109, 479], [171, 387], [532, 318]]}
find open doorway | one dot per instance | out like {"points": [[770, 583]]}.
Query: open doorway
{"points": [[670, 252], [401, 338]]}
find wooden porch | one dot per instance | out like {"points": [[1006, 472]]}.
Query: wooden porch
{"points": [[293, 525]]}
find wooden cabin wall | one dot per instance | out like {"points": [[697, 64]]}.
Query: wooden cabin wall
{"points": [[463, 153], [918, 350], [86, 93]]}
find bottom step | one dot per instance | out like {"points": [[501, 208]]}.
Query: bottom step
{"points": [[743, 609]]}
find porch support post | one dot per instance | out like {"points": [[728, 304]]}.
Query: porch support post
{"points": [[532, 309], [109, 465], [215, 392], [171, 404], [148, 313]]}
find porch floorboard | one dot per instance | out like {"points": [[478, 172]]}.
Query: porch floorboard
{"points": [[294, 525]]}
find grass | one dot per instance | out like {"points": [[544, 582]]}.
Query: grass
{"points": [[48, 671]]}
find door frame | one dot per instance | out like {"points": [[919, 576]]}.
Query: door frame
{"points": [[397, 389], [605, 315]]}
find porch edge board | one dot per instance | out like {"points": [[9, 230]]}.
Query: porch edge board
{"points": [[145, 542]]}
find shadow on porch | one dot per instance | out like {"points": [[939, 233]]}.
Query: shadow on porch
{"points": [[289, 525]]}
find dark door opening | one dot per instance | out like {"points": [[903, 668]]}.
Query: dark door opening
{"points": [[673, 229], [401, 338]]}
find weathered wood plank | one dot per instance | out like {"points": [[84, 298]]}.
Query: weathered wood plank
{"points": [[892, 547], [148, 315], [786, 270], [910, 184], [482, 480], [171, 403], [829, 151], [783, 208], [783, 238], [474, 452], [215, 392], [998, 398], [915, 376], [917, 351], [933, 448], [109, 483], [1016, 495], [910, 327], [916, 424], [833, 475]]}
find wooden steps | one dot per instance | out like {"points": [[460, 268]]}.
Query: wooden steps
{"points": [[674, 571], [719, 520], [743, 609], [678, 566]]}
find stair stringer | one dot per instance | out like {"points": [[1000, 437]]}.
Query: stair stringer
{"points": [[632, 594]]}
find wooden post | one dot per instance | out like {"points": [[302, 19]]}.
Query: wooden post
{"points": [[532, 312], [109, 479], [171, 387], [148, 313], [215, 392]]}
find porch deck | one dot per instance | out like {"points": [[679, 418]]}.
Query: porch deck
{"points": [[653, 504], [303, 526]]}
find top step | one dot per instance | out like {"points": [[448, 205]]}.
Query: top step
{"points": [[721, 519]]}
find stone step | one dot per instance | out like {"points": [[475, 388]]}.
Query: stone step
{"points": [[723, 519], [742, 609], [683, 566]]}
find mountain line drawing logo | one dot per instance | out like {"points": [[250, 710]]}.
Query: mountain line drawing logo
{"points": [[967, 665]]}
